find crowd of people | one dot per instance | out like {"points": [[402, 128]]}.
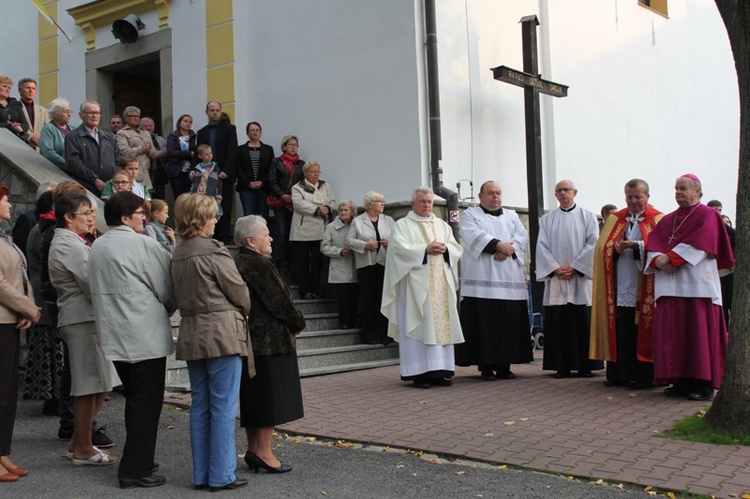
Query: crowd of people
{"points": [[640, 290]]}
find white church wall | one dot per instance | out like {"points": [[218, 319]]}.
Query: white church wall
{"points": [[649, 97], [344, 79]]}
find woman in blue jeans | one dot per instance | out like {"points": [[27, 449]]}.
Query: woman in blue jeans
{"points": [[214, 303]]}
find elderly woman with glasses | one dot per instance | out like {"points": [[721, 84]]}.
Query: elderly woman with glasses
{"points": [[52, 139], [368, 237], [314, 207], [93, 376], [135, 141]]}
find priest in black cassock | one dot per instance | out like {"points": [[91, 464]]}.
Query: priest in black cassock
{"points": [[494, 309], [565, 263]]}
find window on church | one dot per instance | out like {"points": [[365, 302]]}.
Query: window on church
{"points": [[659, 6]]}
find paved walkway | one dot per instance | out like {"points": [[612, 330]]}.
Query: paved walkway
{"points": [[571, 426]]}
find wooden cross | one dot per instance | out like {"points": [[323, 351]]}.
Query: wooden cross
{"points": [[533, 85]]}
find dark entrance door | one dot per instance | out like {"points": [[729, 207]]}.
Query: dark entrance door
{"points": [[140, 86]]}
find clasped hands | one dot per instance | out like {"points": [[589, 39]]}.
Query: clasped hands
{"points": [[436, 248], [565, 273], [624, 244], [664, 264], [504, 251]]}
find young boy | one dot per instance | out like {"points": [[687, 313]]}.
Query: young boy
{"points": [[206, 180], [129, 166]]}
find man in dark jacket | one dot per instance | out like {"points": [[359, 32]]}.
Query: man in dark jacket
{"points": [[91, 154], [222, 137]]}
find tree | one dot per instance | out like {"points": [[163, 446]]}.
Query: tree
{"points": [[731, 409]]}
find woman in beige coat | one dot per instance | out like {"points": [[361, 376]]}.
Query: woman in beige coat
{"points": [[17, 312], [214, 303]]}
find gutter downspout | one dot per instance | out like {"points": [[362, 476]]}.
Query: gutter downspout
{"points": [[433, 110]]}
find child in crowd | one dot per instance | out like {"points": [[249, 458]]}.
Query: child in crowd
{"points": [[128, 166], [206, 176], [156, 227]]}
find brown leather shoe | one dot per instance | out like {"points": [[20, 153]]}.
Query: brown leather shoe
{"points": [[18, 471], [8, 477]]}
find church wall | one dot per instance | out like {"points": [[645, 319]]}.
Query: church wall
{"points": [[649, 96]]}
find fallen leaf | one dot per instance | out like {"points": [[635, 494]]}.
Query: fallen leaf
{"points": [[610, 398], [620, 486], [647, 488], [655, 432], [324, 493], [651, 493], [671, 495], [297, 440], [423, 402], [413, 474], [508, 423], [310, 439], [398, 467], [745, 496], [632, 394], [599, 482], [489, 435], [523, 419], [732, 495], [503, 467], [570, 478], [386, 448], [460, 473], [170, 427]]}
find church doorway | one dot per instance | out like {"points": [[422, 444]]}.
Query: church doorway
{"points": [[139, 86]]}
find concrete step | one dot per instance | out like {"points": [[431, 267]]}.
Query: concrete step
{"points": [[326, 339], [350, 354], [321, 322], [341, 368], [319, 306]]}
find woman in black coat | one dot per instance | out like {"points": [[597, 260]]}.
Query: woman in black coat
{"points": [[254, 160], [274, 395]]}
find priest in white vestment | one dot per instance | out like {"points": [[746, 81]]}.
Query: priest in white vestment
{"points": [[419, 294], [564, 262], [494, 299]]}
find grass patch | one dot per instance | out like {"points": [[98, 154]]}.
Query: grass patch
{"points": [[695, 428]]}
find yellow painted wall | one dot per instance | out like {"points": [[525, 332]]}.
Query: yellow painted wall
{"points": [[49, 66], [220, 53]]}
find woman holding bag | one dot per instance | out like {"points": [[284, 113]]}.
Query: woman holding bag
{"points": [[286, 170]]}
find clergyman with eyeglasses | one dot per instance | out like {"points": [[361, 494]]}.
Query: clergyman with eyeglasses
{"points": [[91, 154], [564, 262]]}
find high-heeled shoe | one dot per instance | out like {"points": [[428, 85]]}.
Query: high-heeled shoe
{"points": [[257, 463], [249, 455]]}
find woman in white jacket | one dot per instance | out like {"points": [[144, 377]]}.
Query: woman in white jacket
{"points": [[342, 271], [314, 207], [368, 238]]}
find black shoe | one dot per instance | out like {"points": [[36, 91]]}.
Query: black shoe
{"points": [[65, 433], [609, 383], [505, 375], [388, 341], [585, 374], [702, 394], [638, 385], [561, 374], [257, 463], [200, 486], [418, 383], [155, 467], [239, 482], [678, 390], [439, 382], [488, 376], [100, 439], [146, 481]]}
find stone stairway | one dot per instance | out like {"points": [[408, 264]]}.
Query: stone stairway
{"points": [[322, 348]]}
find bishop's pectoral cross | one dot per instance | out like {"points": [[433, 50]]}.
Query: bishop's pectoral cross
{"points": [[533, 85]]}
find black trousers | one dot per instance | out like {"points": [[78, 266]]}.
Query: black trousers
{"points": [[223, 229], [10, 353], [308, 261], [374, 324], [348, 298], [143, 384], [628, 368]]}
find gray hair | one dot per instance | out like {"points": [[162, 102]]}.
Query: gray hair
{"points": [[44, 187], [695, 184], [286, 139], [572, 184], [57, 105], [248, 226], [350, 204], [146, 119], [87, 102], [23, 81], [422, 189], [371, 197], [129, 110], [309, 164]]}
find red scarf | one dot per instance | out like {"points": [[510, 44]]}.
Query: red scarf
{"points": [[50, 215], [289, 162]]}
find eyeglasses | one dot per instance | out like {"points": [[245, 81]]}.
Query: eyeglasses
{"points": [[563, 190], [134, 116], [380, 201], [139, 212], [92, 113], [314, 172], [86, 213], [121, 182]]}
